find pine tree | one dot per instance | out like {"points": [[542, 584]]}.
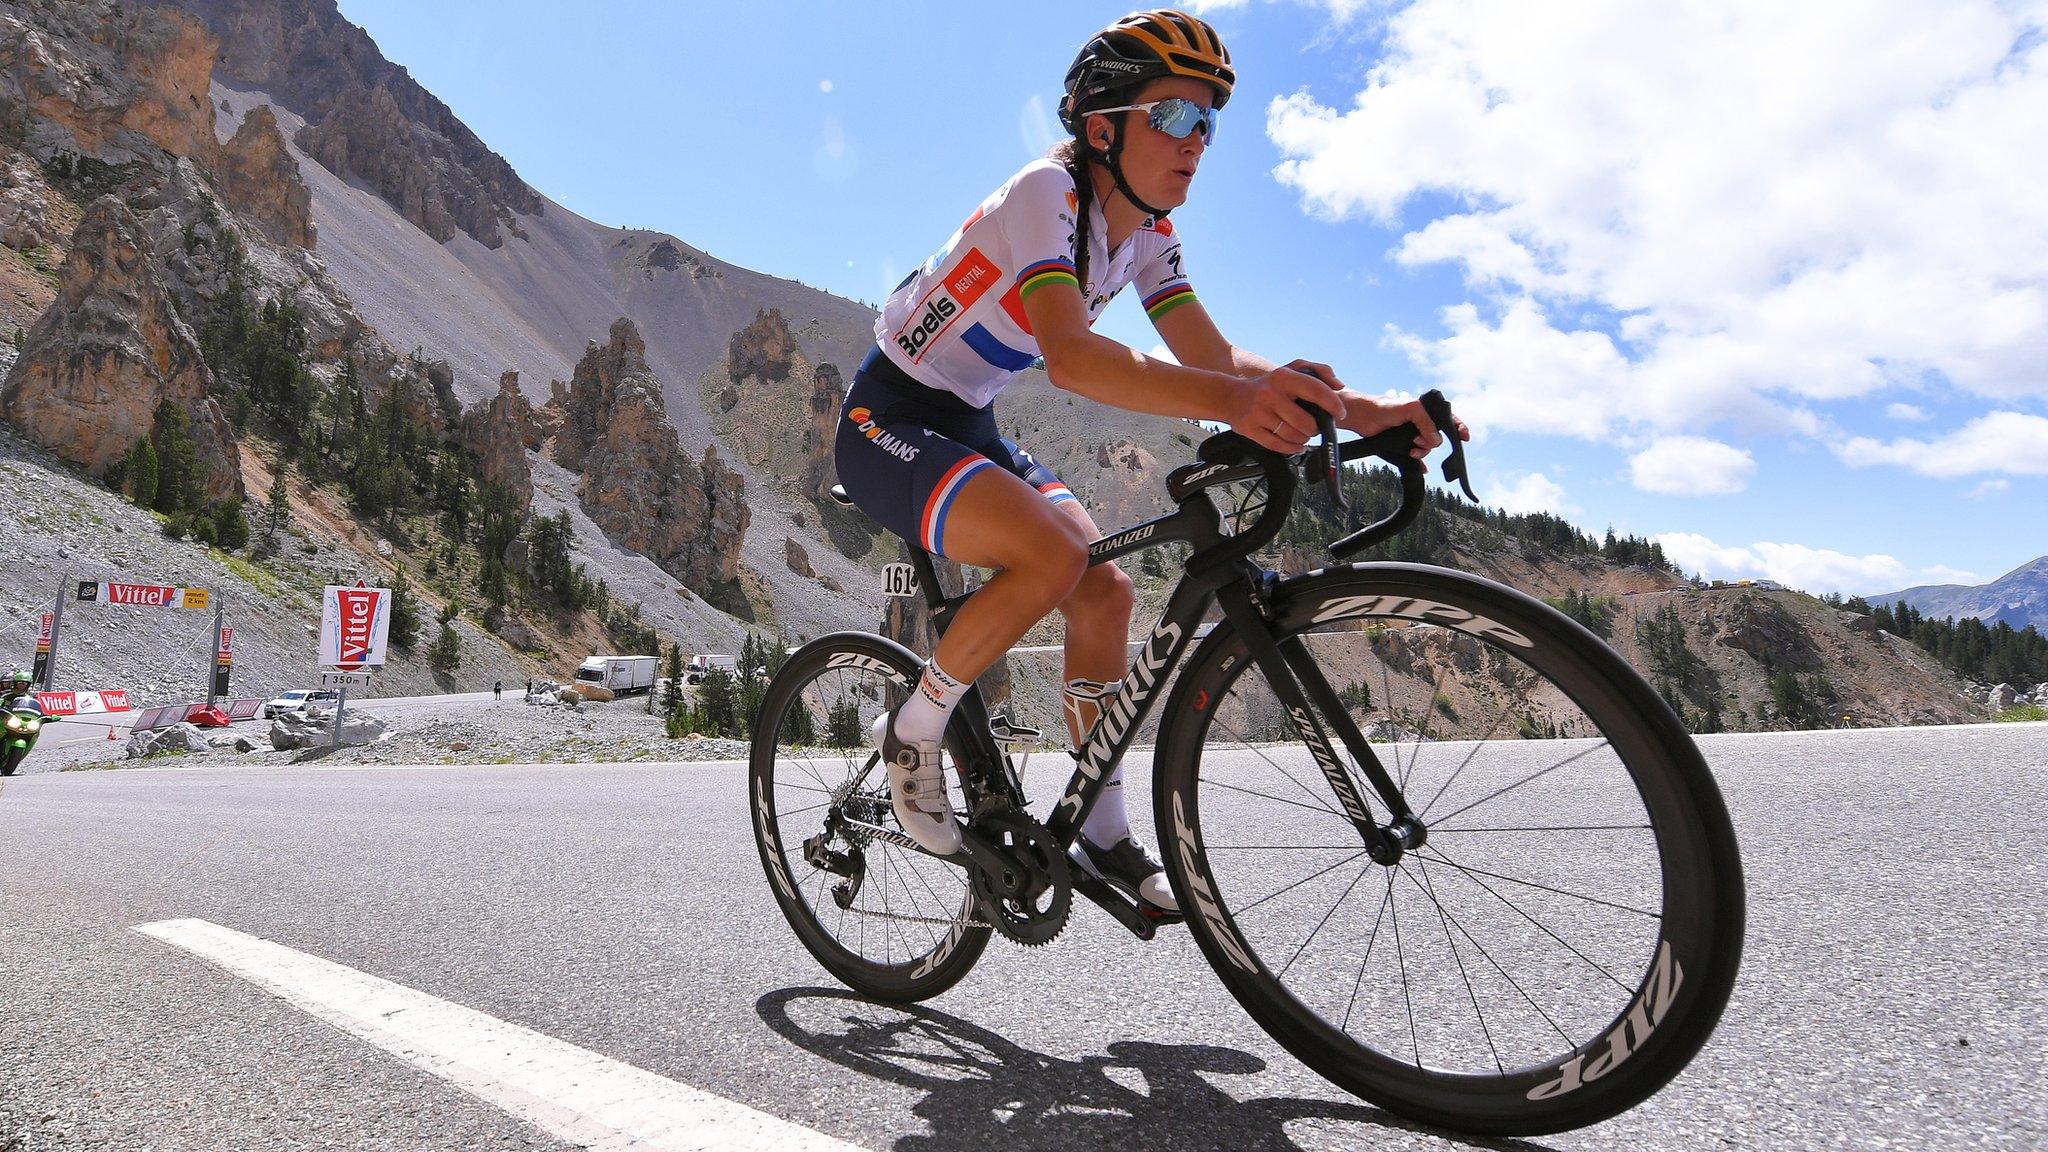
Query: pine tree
{"points": [[843, 728], [404, 629], [718, 700], [280, 502], [142, 472], [445, 653]]}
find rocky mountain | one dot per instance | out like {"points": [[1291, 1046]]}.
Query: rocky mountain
{"points": [[2018, 598], [239, 210], [687, 516], [110, 350]]}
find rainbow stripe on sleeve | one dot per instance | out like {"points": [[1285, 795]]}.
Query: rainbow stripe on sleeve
{"points": [[1168, 298], [1054, 271]]}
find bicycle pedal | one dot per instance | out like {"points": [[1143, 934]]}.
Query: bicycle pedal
{"points": [[1158, 915]]}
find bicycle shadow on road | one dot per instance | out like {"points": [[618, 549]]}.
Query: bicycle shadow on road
{"points": [[983, 1091]]}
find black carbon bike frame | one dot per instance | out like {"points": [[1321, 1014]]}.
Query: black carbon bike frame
{"points": [[1219, 571]]}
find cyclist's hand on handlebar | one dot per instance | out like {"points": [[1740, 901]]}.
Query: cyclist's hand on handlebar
{"points": [[1268, 411], [1367, 416]]}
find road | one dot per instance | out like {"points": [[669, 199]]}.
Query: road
{"points": [[74, 738], [1891, 994]]}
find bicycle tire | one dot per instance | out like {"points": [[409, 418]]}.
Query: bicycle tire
{"points": [[1606, 1061], [929, 961]]}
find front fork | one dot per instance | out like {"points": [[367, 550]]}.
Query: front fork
{"points": [[1303, 692]]}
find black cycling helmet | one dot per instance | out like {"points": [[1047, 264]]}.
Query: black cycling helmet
{"points": [[1145, 46], [1142, 46]]}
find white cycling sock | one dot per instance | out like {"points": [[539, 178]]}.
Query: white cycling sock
{"points": [[923, 717], [1108, 822]]}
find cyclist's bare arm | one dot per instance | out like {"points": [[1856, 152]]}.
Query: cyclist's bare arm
{"points": [[1261, 407], [1197, 342]]}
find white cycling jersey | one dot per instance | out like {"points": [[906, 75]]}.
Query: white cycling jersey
{"points": [[958, 323]]}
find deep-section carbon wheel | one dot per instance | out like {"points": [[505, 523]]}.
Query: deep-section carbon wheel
{"points": [[891, 922], [1567, 936]]}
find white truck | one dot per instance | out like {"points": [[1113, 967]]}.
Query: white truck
{"points": [[703, 662], [621, 674]]}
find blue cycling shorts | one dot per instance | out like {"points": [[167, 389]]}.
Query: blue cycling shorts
{"points": [[904, 450]]}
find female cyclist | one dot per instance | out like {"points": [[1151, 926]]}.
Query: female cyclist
{"points": [[1024, 278]]}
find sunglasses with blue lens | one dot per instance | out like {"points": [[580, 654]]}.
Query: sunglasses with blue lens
{"points": [[1176, 117]]}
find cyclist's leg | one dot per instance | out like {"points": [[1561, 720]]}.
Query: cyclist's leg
{"points": [[998, 521], [1098, 615]]}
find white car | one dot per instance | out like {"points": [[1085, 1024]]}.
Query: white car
{"points": [[297, 699]]}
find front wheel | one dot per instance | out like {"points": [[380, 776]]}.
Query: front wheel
{"points": [[11, 758], [1565, 939], [892, 922]]}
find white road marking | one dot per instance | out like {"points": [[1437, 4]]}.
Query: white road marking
{"points": [[573, 1094]]}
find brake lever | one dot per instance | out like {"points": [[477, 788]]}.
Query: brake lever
{"points": [[1439, 410], [1333, 474]]}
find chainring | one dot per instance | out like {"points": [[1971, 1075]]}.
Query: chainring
{"points": [[1028, 903]]}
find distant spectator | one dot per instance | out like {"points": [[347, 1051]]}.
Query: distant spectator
{"points": [[498, 690]]}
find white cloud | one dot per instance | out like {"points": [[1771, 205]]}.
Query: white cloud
{"points": [[1691, 466], [1777, 205], [1532, 493], [1990, 488], [1162, 352], [1809, 569], [2010, 442], [1911, 412], [825, 85], [1037, 127]]}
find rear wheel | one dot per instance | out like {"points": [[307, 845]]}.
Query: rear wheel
{"points": [[1566, 938], [889, 921]]}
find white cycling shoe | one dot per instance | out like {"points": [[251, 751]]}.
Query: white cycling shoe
{"points": [[917, 789]]}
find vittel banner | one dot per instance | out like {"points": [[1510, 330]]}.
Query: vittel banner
{"points": [[354, 621], [83, 703], [141, 595]]}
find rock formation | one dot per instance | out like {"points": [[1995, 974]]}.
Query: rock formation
{"points": [[496, 433], [111, 347], [637, 483], [763, 349], [828, 392], [24, 219], [261, 180], [367, 118], [114, 84]]}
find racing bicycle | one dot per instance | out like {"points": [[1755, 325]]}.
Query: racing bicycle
{"points": [[1436, 838]]}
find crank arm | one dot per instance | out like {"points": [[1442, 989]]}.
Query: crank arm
{"points": [[974, 847], [1120, 907]]}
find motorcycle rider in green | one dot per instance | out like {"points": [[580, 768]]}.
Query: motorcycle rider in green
{"points": [[1025, 277], [20, 684]]}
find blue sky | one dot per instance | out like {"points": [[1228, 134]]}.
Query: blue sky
{"points": [[1769, 287]]}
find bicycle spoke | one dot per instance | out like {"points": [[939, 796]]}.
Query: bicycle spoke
{"points": [[1443, 859], [1277, 799], [1341, 896], [1401, 954], [1358, 983], [1445, 917], [1505, 975], [1300, 882], [1469, 756], [1261, 754], [1572, 759], [1434, 831], [1540, 926]]}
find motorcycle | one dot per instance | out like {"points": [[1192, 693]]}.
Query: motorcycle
{"points": [[24, 723]]}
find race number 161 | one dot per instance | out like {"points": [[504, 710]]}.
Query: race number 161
{"points": [[899, 580]]}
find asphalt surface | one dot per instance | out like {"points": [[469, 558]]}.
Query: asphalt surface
{"points": [[1891, 993], [80, 738]]}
